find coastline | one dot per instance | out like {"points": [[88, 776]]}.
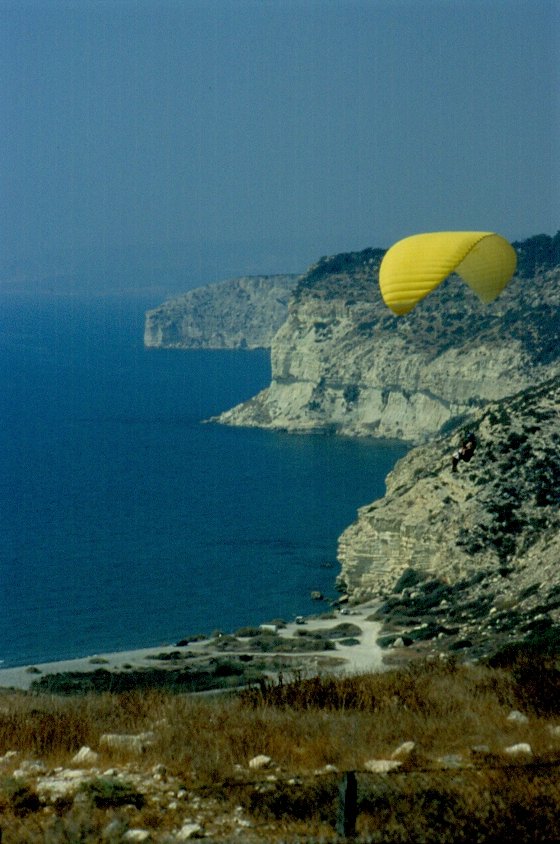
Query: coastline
{"points": [[353, 654]]}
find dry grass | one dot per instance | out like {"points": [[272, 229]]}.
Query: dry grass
{"points": [[205, 743]]}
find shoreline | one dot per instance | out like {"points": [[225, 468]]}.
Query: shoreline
{"points": [[360, 654]]}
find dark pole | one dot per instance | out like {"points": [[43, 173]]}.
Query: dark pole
{"points": [[347, 805]]}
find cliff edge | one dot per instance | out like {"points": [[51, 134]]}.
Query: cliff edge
{"points": [[476, 551], [242, 313], [342, 362]]}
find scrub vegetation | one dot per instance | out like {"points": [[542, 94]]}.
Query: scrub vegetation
{"points": [[457, 781]]}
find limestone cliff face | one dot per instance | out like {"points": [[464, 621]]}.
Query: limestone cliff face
{"points": [[499, 512], [236, 314], [342, 362]]}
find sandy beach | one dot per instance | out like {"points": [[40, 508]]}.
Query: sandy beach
{"points": [[363, 655]]}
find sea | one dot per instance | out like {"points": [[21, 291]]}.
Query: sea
{"points": [[126, 520]]}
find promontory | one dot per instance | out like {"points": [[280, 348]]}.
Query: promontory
{"points": [[242, 313], [343, 363]]}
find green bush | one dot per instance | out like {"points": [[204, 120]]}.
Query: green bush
{"points": [[18, 798], [535, 675], [109, 793]]}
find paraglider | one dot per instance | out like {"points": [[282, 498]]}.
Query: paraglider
{"points": [[414, 266], [465, 452]]}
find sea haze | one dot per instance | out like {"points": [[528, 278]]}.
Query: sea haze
{"points": [[127, 523]]}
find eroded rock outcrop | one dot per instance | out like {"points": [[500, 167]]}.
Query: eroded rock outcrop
{"points": [[242, 313], [499, 512], [342, 362]]}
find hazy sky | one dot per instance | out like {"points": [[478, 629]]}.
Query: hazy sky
{"points": [[280, 130]]}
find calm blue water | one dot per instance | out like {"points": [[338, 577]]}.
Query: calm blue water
{"points": [[124, 521]]}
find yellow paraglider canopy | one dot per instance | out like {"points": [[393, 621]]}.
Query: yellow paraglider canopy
{"points": [[413, 267]]}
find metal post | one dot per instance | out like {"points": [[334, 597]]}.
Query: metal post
{"points": [[347, 805]]}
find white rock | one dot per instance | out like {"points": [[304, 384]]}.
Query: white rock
{"points": [[398, 643], [8, 756], [30, 768], [136, 743], [521, 749], [381, 766], [327, 769], [85, 756], [517, 717], [259, 763], [554, 730], [480, 749], [63, 784], [113, 829], [159, 771], [136, 835], [404, 749], [189, 830]]}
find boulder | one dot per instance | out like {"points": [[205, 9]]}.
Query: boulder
{"points": [[260, 763], [521, 749], [517, 717], [403, 750], [85, 756], [188, 831], [64, 783], [135, 743], [381, 766], [30, 768]]}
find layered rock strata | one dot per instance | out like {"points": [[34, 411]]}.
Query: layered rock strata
{"points": [[343, 362], [496, 521], [467, 562]]}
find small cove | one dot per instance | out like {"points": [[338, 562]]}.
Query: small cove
{"points": [[126, 522]]}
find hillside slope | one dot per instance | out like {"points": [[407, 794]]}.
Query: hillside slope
{"points": [[343, 362], [242, 313], [486, 539]]}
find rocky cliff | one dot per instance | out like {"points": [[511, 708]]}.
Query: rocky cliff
{"points": [[343, 362], [484, 540], [240, 313]]}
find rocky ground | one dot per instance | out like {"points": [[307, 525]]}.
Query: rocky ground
{"points": [[134, 803], [473, 554], [117, 791], [474, 619], [483, 542]]}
